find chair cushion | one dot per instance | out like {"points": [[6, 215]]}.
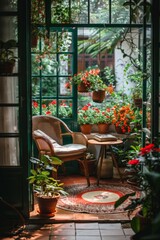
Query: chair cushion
{"points": [[69, 149], [63, 150]]}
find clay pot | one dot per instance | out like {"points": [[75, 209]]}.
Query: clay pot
{"points": [[98, 96], [47, 205], [82, 87], [119, 130], [103, 128], [86, 128]]}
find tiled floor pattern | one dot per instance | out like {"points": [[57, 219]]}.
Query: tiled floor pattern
{"points": [[76, 231]]}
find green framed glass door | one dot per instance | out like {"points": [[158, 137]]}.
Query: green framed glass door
{"points": [[53, 62]]}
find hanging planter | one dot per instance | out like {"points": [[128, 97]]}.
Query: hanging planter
{"points": [[82, 87], [103, 128], [98, 96], [86, 128]]}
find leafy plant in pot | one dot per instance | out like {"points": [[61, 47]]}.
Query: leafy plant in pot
{"points": [[47, 189], [7, 56]]}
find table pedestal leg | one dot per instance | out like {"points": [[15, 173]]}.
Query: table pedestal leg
{"points": [[100, 161], [116, 165]]}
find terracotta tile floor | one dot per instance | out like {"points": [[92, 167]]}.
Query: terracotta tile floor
{"points": [[75, 231]]}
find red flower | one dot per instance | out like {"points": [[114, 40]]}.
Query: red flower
{"points": [[156, 149], [48, 112], [85, 108], [35, 104], [146, 149], [133, 162], [44, 106], [53, 102]]}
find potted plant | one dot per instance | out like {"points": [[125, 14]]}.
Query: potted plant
{"points": [[123, 118], [103, 118], [7, 56], [89, 80], [86, 118], [47, 189], [144, 223]]}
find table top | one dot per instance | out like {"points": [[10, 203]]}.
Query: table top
{"points": [[95, 142]]}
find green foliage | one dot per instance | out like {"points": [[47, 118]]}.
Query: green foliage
{"points": [[41, 179], [6, 52], [86, 115], [137, 9]]}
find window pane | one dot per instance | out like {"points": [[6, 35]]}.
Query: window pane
{"points": [[65, 108], [9, 90], [49, 86], [65, 87], [120, 14], [35, 87], [38, 12], [9, 148], [64, 41], [8, 28], [79, 13], [65, 61], [9, 119], [8, 5], [99, 11]]}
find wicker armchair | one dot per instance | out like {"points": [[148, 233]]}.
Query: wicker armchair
{"points": [[48, 133]]}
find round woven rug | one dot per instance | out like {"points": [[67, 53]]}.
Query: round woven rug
{"points": [[94, 199]]}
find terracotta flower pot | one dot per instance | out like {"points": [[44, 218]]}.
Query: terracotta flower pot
{"points": [[86, 128], [98, 96], [47, 205], [103, 128], [82, 87], [119, 130]]}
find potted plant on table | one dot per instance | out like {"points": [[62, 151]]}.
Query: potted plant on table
{"points": [[146, 223], [123, 118], [7, 56], [47, 189], [103, 118], [86, 118]]}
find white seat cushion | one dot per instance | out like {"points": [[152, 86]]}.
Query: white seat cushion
{"points": [[63, 150]]}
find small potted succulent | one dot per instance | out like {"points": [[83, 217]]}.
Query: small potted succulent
{"points": [[7, 56], [47, 189]]}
